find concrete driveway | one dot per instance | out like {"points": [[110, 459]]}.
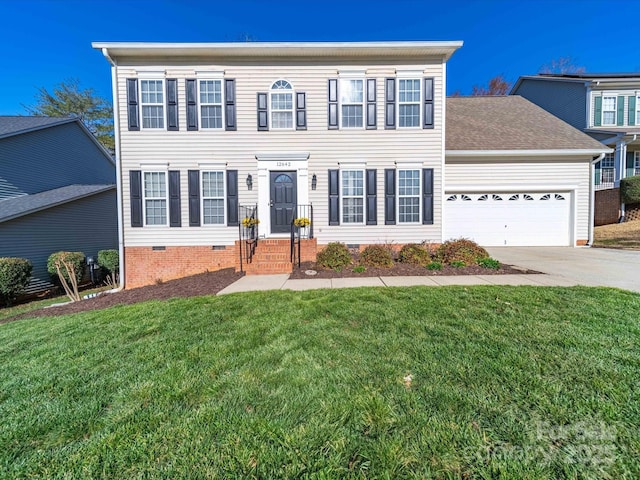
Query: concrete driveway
{"points": [[582, 266]]}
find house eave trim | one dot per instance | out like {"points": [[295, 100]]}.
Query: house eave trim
{"points": [[269, 157], [526, 153]]}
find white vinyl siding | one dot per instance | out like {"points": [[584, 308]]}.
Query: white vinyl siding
{"points": [[152, 103], [213, 198], [409, 196], [352, 196], [155, 198], [351, 103], [211, 103], [409, 102], [281, 103]]}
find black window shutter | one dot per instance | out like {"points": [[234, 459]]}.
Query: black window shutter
{"points": [[333, 104], [390, 103], [372, 198], [427, 196], [390, 196], [371, 104], [263, 111], [232, 198], [135, 194], [334, 197], [192, 104], [230, 102], [172, 104], [175, 215], [427, 116], [301, 111], [194, 198], [132, 104]]}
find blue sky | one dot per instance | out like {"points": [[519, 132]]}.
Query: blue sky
{"points": [[43, 42]]}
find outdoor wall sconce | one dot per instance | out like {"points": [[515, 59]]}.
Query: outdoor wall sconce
{"points": [[314, 182], [249, 182]]}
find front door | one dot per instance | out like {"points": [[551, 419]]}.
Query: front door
{"points": [[283, 201]]}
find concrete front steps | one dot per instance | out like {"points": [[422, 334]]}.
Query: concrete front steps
{"points": [[273, 256]]}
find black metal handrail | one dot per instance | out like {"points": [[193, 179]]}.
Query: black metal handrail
{"points": [[301, 227], [247, 232]]}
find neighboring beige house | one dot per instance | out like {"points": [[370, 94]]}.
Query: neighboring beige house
{"points": [[349, 135]]}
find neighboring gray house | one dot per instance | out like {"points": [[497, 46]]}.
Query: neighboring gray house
{"points": [[606, 106], [57, 192]]}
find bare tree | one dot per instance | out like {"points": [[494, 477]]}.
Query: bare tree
{"points": [[498, 85], [562, 65]]}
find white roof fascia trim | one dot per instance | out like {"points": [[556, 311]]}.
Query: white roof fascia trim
{"points": [[524, 153]]}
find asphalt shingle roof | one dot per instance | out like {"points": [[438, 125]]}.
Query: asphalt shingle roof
{"points": [[509, 123], [13, 125], [15, 207]]}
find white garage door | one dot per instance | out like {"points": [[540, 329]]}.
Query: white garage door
{"points": [[518, 219]]}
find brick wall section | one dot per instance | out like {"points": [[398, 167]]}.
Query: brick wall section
{"points": [[607, 206], [145, 266]]}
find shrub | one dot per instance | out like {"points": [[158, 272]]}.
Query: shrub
{"points": [[15, 274], [359, 269], [415, 254], [458, 264], [69, 268], [461, 250], [110, 261], [377, 256], [630, 189], [334, 256], [489, 262], [435, 265]]}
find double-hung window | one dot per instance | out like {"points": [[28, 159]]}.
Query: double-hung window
{"points": [[211, 103], [213, 198], [281, 101], [638, 111], [155, 198], [152, 103], [352, 189], [607, 168], [408, 102], [409, 196], [351, 102], [609, 110], [636, 163]]}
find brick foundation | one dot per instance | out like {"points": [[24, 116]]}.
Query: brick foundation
{"points": [[607, 206], [146, 266]]}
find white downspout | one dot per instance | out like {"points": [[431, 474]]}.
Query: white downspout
{"points": [[116, 131], [592, 197], [623, 173]]}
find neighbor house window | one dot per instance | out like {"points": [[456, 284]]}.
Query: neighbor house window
{"points": [[607, 168], [155, 198], [609, 110], [281, 101], [351, 102], [409, 196], [152, 103], [211, 103], [352, 196], [213, 198], [636, 163], [638, 110], [409, 103]]}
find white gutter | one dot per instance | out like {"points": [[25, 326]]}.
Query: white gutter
{"points": [[592, 197], [116, 131], [525, 153]]}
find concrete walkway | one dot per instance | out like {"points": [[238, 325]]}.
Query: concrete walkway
{"points": [[282, 282]]}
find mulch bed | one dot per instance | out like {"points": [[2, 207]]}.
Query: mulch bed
{"points": [[403, 270]]}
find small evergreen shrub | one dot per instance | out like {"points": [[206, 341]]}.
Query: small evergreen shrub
{"points": [[435, 265], [334, 256], [15, 274], [490, 263], [461, 250], [458, 264], [109, 260], [415, 254], [359, 269], [630, 189], [377, 256]]}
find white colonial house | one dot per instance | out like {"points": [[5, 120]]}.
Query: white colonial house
{"points": [[221, 147]]}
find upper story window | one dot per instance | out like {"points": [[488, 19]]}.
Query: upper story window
{"points": [[609, 110], [211, 103], [409, 196], [351, 102], [213, 198], [155, 198], [352, 190], [152, 102], [637, 110], [409, 102], [281, 102]]}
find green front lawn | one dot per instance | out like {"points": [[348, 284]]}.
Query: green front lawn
{"points": [[449, 382]]}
